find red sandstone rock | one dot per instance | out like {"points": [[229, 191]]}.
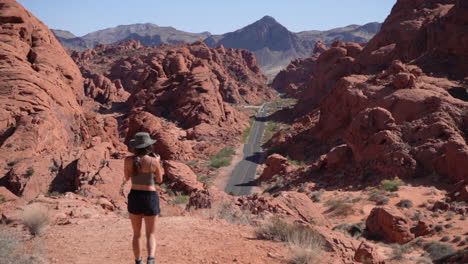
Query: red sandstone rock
{"points": [[367, 254], [104, 91], [459, 192], [6, 195], [292, 80], [45, 115], [423, 227], [172, 142], [275, 165], [180, 177], [389, 224]]}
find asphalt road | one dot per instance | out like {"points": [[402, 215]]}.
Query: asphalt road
{"points": [[240, 182]]}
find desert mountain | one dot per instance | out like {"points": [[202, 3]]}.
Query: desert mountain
{"points": [[148, 34], [273, 44]]}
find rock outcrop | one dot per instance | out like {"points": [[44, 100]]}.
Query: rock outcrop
{"points": [[389, 224], [293, 79], [180, 177], [44, 120], [191, 85]]}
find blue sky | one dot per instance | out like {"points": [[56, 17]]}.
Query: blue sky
{"points": [[216, 16]]}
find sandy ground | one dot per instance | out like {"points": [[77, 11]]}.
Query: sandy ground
{"points": [[188, 239]]}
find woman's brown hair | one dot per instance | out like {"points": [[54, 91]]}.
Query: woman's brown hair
{"points": [[137, 158]]}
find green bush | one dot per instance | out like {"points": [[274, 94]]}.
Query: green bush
{"points": [[181, 199], [392, 185], [222, 158]]}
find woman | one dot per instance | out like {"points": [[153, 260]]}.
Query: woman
{"points": [[144, 170]]}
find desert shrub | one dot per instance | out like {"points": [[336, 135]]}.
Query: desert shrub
{"points": [[296, 162], [405, 203], [436, 250], [54, 168], [2, 199], [391, 185], [354, 230], [222, 158], [379, 197], [456, 239], [12, 252], [181, 199], [30, 172], [305, 243], [339, 207], [445, 239], [36, 218], [399, 251], [305, 247], [232, 214], [438, 228], [11, 163], [448, 226], [316, 196]]}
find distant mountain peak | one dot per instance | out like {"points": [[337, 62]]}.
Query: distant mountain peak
{"points": [[268, 19]]}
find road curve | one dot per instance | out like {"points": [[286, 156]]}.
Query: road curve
{"points": [[240, 182]]}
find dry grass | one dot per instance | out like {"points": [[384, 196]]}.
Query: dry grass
{"points": [[12, 251], [305, 243], [339, 207], [36, 218], [232, 214]]}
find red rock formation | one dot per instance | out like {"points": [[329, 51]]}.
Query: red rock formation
{"points": [[367, 254], [276, 165], [172, 141], [180, 177], [294, 78], [102, 90], [44, 121], [389, 224], [189, 84]]}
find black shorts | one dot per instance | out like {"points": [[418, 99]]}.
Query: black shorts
{"points": [[143, 202]]}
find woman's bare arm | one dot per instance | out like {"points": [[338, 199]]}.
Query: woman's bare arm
{"points": [[127, 169], [127, 174], [159, 171]]}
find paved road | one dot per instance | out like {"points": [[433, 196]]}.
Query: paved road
{"points": [[240, 182]]}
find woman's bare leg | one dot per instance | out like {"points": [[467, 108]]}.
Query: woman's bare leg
{"points": [[137, 235], [150, 225]]}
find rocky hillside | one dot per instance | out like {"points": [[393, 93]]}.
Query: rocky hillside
{"points": [[64, 129], [273, 44], [392, 108], [46, 123]]}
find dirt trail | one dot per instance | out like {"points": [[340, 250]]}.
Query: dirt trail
{"points": [[107, 239]]}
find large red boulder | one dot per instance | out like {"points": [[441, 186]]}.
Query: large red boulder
{"points": [[180, 177], [389, 224], [276, 165]]}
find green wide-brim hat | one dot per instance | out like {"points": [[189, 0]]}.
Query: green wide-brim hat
{"points": [[141, 140]]}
